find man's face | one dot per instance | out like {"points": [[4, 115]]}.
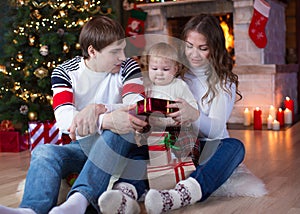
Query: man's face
{"points": [[110, 58]]}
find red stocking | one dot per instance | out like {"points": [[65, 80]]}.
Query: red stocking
{"points": [[136, 28], [258, 23]]}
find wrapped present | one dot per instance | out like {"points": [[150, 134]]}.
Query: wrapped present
{"points": [[150, 105], [43, 133], [167, 176], [160, 146], [12, 141]]}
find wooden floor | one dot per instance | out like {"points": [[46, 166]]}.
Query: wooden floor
{"points": [[273, 156]]}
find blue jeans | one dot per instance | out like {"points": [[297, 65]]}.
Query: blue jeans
{"points": [[210, 175], [96, 158]]}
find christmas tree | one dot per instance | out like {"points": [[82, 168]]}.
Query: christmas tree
{"points": [[40, 35]]}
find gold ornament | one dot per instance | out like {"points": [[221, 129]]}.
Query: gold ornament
{"points": [[3, 69], [66, 48], [32, 115], [31, 40], [40, 72], [19, 57], [77, 46], [36, 14]]}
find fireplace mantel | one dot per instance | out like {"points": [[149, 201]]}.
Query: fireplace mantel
{"points": [[185, 8], [178, 2]]}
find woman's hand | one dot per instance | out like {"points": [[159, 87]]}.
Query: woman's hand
{"points": [[186, 113], [85, 122], [121, 122]]}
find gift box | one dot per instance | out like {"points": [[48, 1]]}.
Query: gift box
{"points": [[45, 132], [150, 105], [12, 141], [159, 151], [167, 176]]}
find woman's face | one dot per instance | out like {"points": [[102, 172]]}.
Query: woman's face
{"points": [[196, 49]]}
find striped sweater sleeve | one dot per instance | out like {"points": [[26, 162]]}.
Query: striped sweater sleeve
{"points": [[131, 76], [63, 99]]}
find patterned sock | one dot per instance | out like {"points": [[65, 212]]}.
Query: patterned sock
{"points": [[8, 210], [121, 199], [75, 204], [186, 192]]}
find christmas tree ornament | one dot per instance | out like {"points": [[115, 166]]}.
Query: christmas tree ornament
{"points": [[60, 32], [40, 72], [44, 50], [77, 46], [24, 109], [3, 69], [22, 2], [31, 40], [66, 48], [259, 22], [19, 57], [36, 14], [32, 116]]}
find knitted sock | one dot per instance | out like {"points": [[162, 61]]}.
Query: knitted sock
{"points": [[75, 204], [8, 210], [186, 192], [121, 199]]}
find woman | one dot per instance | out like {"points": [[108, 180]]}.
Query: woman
{"points": [[215, 88]]}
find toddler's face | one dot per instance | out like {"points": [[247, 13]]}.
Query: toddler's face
{"points": [[161, 70]]}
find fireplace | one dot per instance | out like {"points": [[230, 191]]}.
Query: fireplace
{"points": [[265, 78], [226, 21]]}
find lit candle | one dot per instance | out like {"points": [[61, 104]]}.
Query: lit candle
{"points": [[257, 119], [280, 117], [288, 103], [269, 121], [288, 119], [276, 125], [272, 111], [247, 117]]}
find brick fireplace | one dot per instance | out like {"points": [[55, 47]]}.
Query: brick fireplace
{"points": [[265, 78]]}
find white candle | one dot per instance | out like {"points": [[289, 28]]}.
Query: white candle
{"points": [[288, 117], [269, 121], [276, 125], [272, 111], [247, 117]]}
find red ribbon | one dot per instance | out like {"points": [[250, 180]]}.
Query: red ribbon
{"points": [[178, 169], [157, 148]]}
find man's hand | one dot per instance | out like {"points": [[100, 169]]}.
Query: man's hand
{"points": [[121, 122], [85, 122]]}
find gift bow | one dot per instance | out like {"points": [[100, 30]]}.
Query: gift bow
{"points": [[6, 125], [169, 142]]}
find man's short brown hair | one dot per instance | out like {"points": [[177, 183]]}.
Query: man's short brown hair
{"points": [[99, 32]]}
